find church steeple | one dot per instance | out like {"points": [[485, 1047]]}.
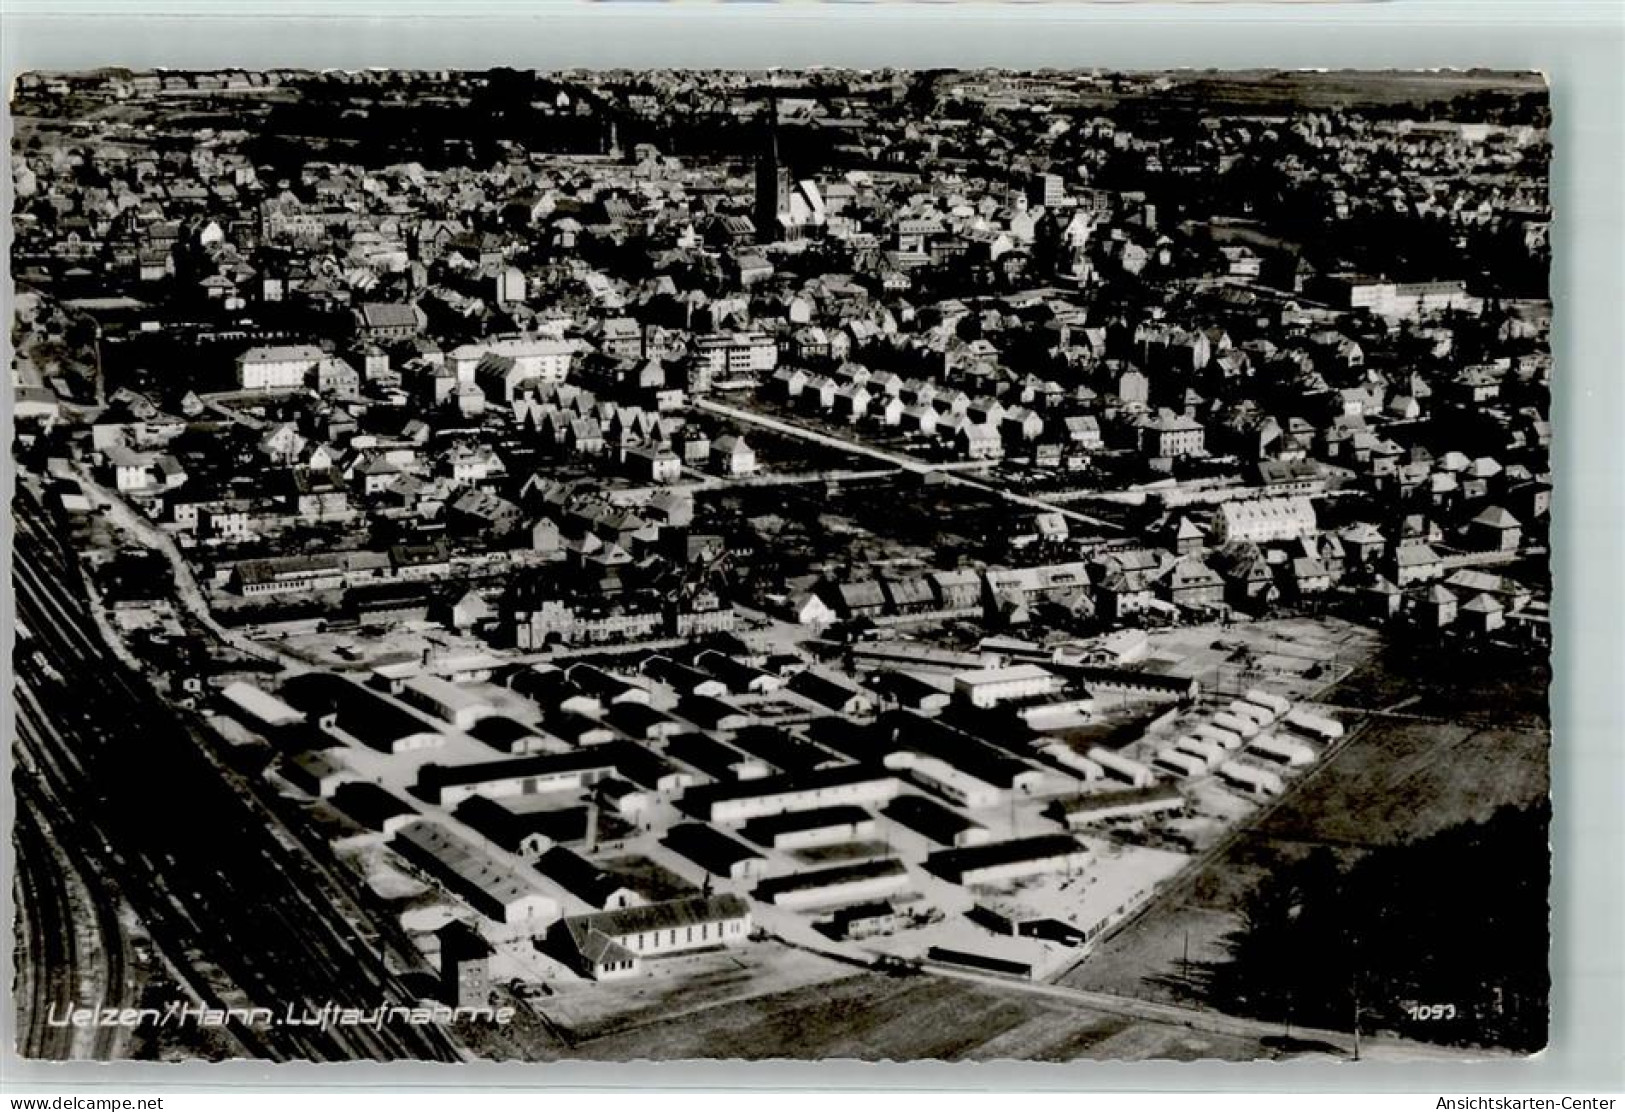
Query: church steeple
{"points": [[772, 180]]}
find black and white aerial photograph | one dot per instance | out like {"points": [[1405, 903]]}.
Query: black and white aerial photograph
{"points": [[609, 565]]}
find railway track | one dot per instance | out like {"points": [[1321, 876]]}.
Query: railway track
{"points": [[240, 908], [47, 958]]}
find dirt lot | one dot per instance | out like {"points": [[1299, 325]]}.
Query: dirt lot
{"points": [[873, 1017], [1296, 657]]}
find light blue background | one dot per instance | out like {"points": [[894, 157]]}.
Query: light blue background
{"points": [[1578, 44]]}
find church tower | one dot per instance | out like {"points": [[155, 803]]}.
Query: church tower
{"points": [[773, 185]]}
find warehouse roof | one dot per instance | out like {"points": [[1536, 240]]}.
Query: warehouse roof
{"points": [[496, 879], [874, 869], [765, 829], [957, 862], [936, 821], [708, 847], [541, 764], [816, 780]]}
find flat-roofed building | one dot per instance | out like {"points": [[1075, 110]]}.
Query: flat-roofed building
{"points": [[1131, 803], [714, 851], [937, 821], [260, 708], [995, 862], [772, 795], [990, 686], [822, 826], [839, 884], [446, 700]]}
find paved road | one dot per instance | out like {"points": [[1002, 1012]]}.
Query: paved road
{"points": [[896, 459], [244, 911]]}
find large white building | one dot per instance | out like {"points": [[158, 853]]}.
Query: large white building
{"points": [[613, 944], [1400, 299], [446, 701], [504, 364], [1265, 520], [732, 354], [990, 686], [277, 368]]}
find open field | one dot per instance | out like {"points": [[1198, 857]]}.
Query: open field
{"points": [[1495, 687], [1395, 780], [874, 1017], [1401, 780], [1283, 90]]}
